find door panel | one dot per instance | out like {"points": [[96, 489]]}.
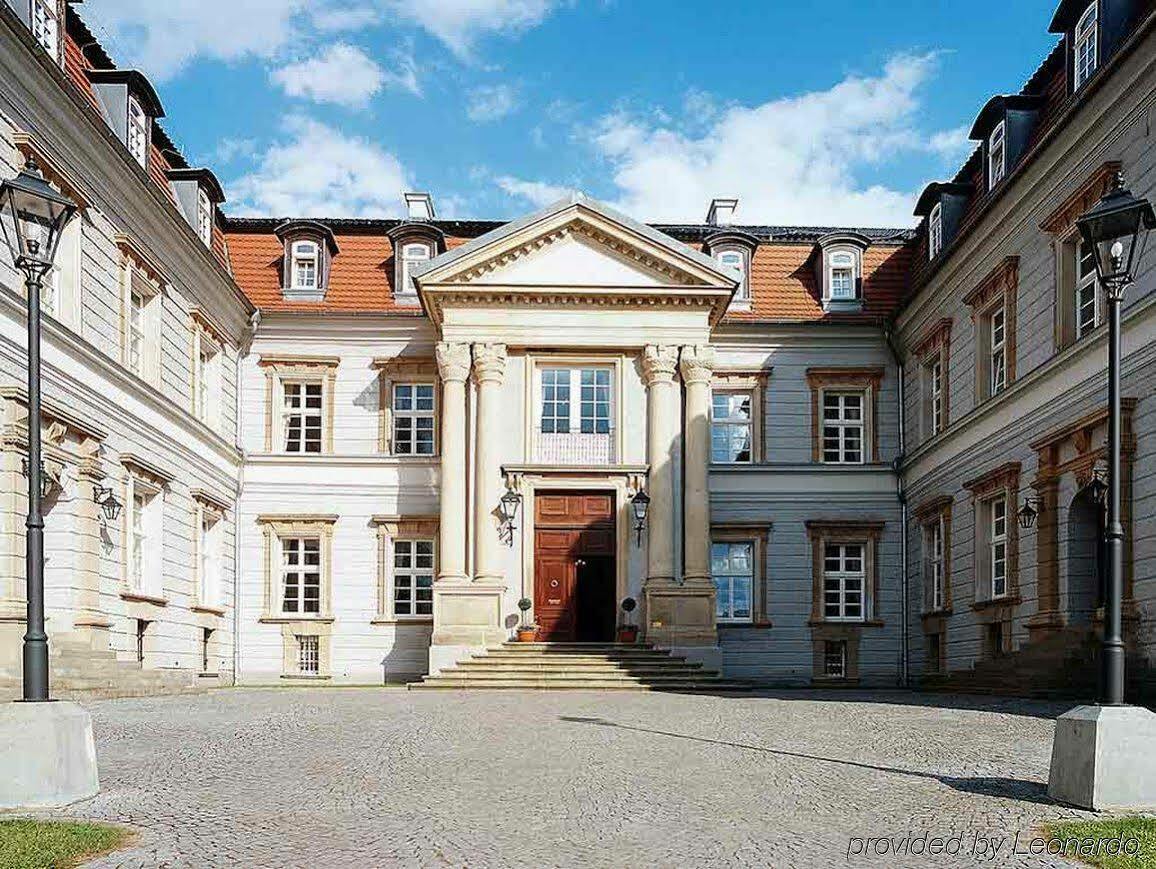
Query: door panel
{"points": [[554, 581]]}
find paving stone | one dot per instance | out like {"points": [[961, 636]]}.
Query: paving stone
{"points": [[375, 777]]}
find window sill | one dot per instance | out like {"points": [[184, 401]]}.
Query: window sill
{"points": [[294, 619], [835, 623], [935, 614], [759, 625], [835, 681], [208, 610], [306, 677], [207, 675], [141, 597], [388, 620], [996, 603], [842, 306]]}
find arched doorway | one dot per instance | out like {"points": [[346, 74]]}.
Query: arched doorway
{"points": [[1085, 559]]}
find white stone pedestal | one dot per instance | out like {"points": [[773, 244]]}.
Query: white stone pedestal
{"points": [[1103, 757], [47, 756]]}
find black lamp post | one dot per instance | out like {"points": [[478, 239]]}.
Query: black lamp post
{"points": [[32, 217], [1115, 229]]}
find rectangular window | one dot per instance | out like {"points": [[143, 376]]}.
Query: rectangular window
{"points": [[206, 639], [142, 627], [935, 395], [301, 576], [207, 382], [1085, 53], [733, 566], [1088, 302], [835, 659], [935, 563], [842, 276], [844, 581], [996, 155], [204, 217], [144, 506], [308, 655], [138, 132], [136, 331], [575, 415], [843, 427], [302, 417], [209, 567], [997, 350], [731, 427], [935, 232], [412, 255], [413, 576], [45, 26], [304, 264], [997, 545], [138, 541], [413, 419], [736, 260]]}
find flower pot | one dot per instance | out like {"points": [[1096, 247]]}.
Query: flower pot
{"points": [[527, 635], [628, 634]]}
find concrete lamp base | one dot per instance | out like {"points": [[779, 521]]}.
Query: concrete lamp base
{"points": [[1102, 758], [47, 756]]}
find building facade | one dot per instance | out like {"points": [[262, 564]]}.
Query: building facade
{"points": [[346, 449]]}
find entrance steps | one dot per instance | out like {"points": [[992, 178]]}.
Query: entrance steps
{"points": [[578, 666]]}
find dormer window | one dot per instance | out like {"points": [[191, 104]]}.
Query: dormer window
{"points": [[413, 254], [737, 260], [735, 250], [304, 267], [996, 155], [138, 132], [839, 271], [842, 276], [46, 25], [204, 217], [935, 232], [1085, 54]]}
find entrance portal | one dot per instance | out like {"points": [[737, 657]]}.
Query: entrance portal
{"points": [[574, 568]]}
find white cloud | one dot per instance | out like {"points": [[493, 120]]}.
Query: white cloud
{"points": [[318, 171], [163, 37], [460, 23], [952, 144], [344, 74], [537, 193], [491, 102], [792, 160]]}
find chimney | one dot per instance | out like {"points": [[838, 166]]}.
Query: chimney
{"points": [[419, 206], [722, 212]]}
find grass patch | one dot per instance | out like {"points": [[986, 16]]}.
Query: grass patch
{"points": [[1130, 828], [28, 844]]}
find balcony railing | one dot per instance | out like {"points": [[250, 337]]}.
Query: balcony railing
{"points": [[574, 449]]}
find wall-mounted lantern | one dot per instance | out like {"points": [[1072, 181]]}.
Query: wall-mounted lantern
{"points": [[508, 507], [641, 504], [1029, 512], [47, 484], [107, 502]]}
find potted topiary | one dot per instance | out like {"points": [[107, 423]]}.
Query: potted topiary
{"points": [[527, 633], [627, 632]]}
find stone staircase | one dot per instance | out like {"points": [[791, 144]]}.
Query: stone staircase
{"points": [[579, 666], [1064, 665], [77, 672]]}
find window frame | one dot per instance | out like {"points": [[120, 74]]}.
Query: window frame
{"points": [[752, 580], [308, 655], [137, 131], [204, 216], [279, 527], [284, 369], [1000, 485], [742, 296], [847, 263], [407, 286], [1086, 33], [842, 425], [413, 574], [1080, 285], [538, 449], [841, 674], [729, 423], [414, 415], [303, 386], [998, 138], [997, 292], [46, 23], [995, 323], [997, 541], [209, 525], [143, 563], [302, 251], [300, 546], [935, 231], [865, 380], [842, 576]]}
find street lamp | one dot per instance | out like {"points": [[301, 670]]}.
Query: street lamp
{"points": [[32, 217], [1102, 755], [1113, 230]]}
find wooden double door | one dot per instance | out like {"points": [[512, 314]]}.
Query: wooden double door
{"points": [[574, 571]]}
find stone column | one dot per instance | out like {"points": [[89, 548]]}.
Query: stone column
{"points": [[658, 367], [453, 368], [697, 366], [489, 371]]}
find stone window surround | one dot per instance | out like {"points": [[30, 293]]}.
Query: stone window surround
{"points": [[821, 532], [868, 379], [276, 527], [157, 482], [206, 333], [405, 369], [999, 287], [926, 513], [849, 243], [1003, 480], [758, 534], [134, 260], [206, 504], [754, 382], [1079, 435], [391, 528], [293, 231], [1061, 225], [935, 345], [281, 367], [536, 360]]}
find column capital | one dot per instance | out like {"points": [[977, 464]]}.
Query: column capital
{"points": [[453, 361], [489, 362], [659, 363], [697, 363]]}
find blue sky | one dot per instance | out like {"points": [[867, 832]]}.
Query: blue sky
{"points": [[334, 107]]}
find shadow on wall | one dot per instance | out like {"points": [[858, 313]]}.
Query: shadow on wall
{"points": [[1008, 788]]}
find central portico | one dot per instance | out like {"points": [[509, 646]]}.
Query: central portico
{"points": [[564, 338]]}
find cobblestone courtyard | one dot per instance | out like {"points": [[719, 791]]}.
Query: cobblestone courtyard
{"points": [[359, 777]]}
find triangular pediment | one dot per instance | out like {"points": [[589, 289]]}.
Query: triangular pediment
{"points": [[576, 243]]}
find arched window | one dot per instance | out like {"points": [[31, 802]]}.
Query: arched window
{"points": [[138, 132], [412, 255], [305, 265], [842, 276], [737, 260], [935, 232], [1085, 51]]}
